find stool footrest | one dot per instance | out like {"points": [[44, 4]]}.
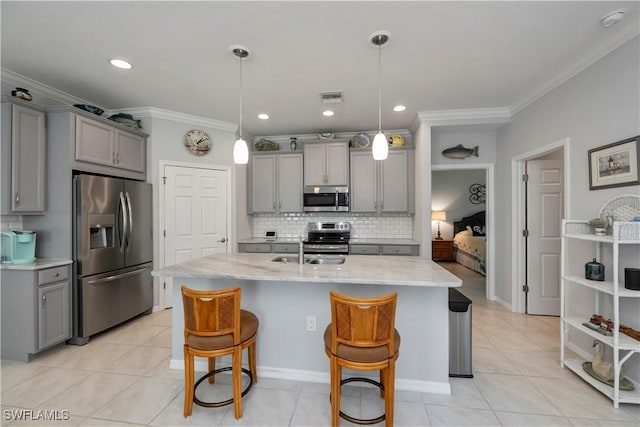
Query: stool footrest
{"points": [[223, 402], [358, 420]]}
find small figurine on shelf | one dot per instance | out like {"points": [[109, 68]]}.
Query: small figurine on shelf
{"points": [[294, 143], [22, 94], [593, 270]]}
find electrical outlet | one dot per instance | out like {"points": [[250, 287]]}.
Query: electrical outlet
{"points": [[311, 323]]}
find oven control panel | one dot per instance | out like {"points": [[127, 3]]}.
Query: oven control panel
{"points": [[329, 227]]}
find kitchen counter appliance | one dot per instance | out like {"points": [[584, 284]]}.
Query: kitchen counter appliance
{"points": [[327, 238], [18, 247], [113, 252]]}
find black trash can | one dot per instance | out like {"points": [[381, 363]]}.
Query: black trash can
{"points": [[459, 335]]}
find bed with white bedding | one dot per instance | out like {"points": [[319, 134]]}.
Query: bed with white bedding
{"points": [[470, 242]]}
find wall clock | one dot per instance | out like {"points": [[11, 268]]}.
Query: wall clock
{"points": [[198, 142]]}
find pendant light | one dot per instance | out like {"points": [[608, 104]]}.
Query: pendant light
{"points": [[240, 149], [380, 148]]}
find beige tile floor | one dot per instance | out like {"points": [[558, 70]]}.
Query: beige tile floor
{"points": [[121, 378]]}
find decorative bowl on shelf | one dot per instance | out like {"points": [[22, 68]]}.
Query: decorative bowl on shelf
{"points": [[127, 120], [90, 108], [266, 145]]}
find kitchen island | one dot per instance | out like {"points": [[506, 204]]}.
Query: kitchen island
{"points": [[284, 295]]}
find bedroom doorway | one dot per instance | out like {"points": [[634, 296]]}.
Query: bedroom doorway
{"points": [[466, 192]]}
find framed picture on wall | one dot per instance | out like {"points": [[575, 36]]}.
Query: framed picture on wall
{"points": [[615, 165]]}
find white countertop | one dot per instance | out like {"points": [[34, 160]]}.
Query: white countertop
{"points": [[361, 269], [39, 264]]}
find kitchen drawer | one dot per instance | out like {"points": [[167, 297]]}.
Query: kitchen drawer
{"points": [[254, 247], [51, 275], [285, 248], [399, 250], [364, 249]]}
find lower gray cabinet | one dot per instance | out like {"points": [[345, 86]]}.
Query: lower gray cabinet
{"points": [[36, 310], [254, 247]]}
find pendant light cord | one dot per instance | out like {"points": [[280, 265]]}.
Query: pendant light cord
{"points": [[379, 89], [240, 130]]}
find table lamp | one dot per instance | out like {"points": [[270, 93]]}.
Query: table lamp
{"points": [[438, 216]]}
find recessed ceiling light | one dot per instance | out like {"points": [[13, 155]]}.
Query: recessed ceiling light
{"points": [[263, 116], [121, 63], [327, 113], [399, 108]]}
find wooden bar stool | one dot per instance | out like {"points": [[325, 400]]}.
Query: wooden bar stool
{"points": [[362, 336], [215, 326]]}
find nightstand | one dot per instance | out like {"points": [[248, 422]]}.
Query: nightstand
{"points": [[442, 250]]}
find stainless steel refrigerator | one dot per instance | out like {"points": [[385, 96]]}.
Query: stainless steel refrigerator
{"points": [[113, 252]]}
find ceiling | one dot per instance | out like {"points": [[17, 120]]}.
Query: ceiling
{"points": [[441, 56]]}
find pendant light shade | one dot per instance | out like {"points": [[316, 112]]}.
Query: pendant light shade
{"points": [[380, 149], [240, 152], [240, 148]]}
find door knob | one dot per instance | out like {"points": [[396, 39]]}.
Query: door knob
{"points": [[224, 239]]}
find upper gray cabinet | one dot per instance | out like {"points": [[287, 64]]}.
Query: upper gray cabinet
{"points": [[96, 145], [326, 163], [275, 183], [23, 158], [103, 144], [382, 186]]}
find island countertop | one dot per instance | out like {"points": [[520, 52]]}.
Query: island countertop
{"points": [[358, 269]]}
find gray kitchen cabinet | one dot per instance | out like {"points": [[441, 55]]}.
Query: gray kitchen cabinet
{"points": [[36, 310], [366, 249], [275, 183], [285, 248], [254, 247], [382, 186], [103, 144], [384, 249], [406, 250], [24, 154], [326, 163]]}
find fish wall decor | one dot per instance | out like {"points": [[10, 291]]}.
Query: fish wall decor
{"points": [[460, 152]]}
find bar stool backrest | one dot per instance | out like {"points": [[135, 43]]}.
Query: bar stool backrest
{"points": [[363, 322], [211, 313]]}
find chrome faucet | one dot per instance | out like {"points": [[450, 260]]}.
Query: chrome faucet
{"points": [[300, 251]]}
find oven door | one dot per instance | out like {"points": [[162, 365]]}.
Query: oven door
{"points": [[326, 248]]}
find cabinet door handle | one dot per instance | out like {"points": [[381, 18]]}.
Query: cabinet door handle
{"points": [[56, 275], [113, 156], [17, 199], [279, 205], [44, 299], [274, 205], [375, 205]]}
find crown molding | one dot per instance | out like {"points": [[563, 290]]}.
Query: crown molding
{"points": [[405, 133], [577, 67], [158, 113], [471, 116], [41, 89]]}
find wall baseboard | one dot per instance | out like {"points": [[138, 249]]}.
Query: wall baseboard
{"points": [[322, 377]]}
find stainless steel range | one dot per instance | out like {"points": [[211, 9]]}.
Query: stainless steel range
{"points": [[327, 238]]}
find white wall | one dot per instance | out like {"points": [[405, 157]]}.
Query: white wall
{"points": [[598, 106], [422, 219], [450, 192]]}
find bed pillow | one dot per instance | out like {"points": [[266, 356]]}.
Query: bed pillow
{"points": [[479, 230], [467, 232]]}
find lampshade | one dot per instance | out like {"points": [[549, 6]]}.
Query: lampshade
{"points": [[240, 152], [380, 147], [438, 215]]}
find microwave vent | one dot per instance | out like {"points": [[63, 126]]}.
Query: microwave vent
{"points": [[331, 97]]}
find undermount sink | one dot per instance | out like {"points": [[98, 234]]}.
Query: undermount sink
{"points": [[319, 259]]}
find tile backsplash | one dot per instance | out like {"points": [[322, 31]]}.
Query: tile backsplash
{"points": [[362, 225], [10, 222]]}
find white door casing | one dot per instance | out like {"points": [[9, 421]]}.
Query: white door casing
{"points": [[545, 202], [196, 223]]}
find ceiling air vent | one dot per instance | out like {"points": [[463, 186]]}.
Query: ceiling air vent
{"points": [[331, 97]]}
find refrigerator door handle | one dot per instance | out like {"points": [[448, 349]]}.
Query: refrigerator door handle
{"points": [[130, 235], [125, 229], [117, 276]]}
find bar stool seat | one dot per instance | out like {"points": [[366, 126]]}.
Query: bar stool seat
{"points": [[362, 336], [214, 326]]}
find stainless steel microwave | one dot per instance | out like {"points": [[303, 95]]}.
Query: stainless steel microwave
{"points": [[326, 199]]}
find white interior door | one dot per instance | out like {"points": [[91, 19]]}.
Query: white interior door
{"points": [[545, 201], [195, 215]]}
